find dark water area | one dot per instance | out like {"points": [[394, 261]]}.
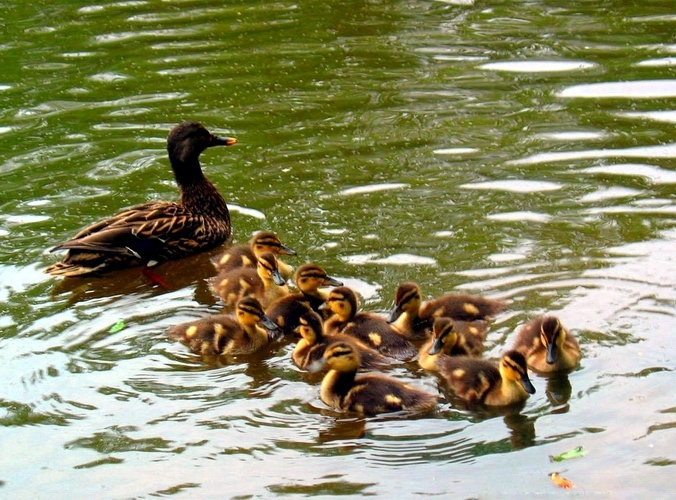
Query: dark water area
{"points": [[522, 150]]}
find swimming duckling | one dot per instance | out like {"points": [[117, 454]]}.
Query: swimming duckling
{"points": [[547, 345], [228, 334], [450, 338], [285, 311], [157, 231], [367, 394], [247, 255], [480, 381], [369, 328], [313, 343], [414, 317], [265, 283]]}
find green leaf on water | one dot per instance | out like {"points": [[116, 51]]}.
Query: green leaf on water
{"points": [[117, 327], [574, 453]]}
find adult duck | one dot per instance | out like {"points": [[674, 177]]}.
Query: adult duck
{"points": [[157, 231]]}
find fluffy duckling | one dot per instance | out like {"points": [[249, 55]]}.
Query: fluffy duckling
{"points": [[480, 381], [247, 255], [157, 231], [265, 283], [367, 394], [286, 311], [313, 343], [450, 338], [369, 328], [414, 317], [547, 345], [228, 334]]}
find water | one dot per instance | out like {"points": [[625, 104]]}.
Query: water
{"points": [[517, 150]]}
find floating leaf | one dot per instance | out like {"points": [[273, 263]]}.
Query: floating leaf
{"points": [[576, 452], [561, 482], [117, 327]]}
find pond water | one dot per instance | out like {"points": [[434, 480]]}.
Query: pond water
{"points": [[521, 150]]}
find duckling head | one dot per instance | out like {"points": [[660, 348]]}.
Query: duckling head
{"points": [[310, 277], [339, 356], [267, 241], [408, 297], [268, 269], [513, 368], [343, 302], [310, 327], [552, 336], [445, 336], [249, 312]]}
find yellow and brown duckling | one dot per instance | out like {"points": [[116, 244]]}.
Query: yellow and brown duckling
{"points": [[480, 381], [370, 328], [369, 394], [450, 338], [247, 255], [414, 317], [265, 282], [313, 343], [157, 231], [287, 310], [547, 345], [227, 334]]}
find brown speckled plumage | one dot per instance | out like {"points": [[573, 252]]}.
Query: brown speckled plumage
{"points": [[157, 231]]}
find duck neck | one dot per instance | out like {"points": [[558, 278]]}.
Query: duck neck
{"points": [[198, 194]]}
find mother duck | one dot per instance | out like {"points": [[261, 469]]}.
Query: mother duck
{"points": [[157, 231]]}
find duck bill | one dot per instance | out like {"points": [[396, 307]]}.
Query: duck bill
{"points": [[277, 278], [436, 347], [316, 366], [286, 250], [527, 385], [396, 312], [222, 141], [329, 281], [552, 353]]}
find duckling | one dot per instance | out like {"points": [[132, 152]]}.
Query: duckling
{"points": [[285, 311], [450, 338], [369, 328], [313, 343], [414, 317], [547, 345], [247, 255], [228, 334], [480, 381], [265, 283], [157, 231], [367, 394]]}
